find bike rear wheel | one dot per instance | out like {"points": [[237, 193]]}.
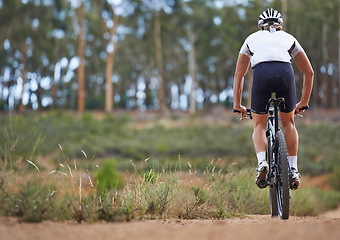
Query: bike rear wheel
{"points": [[272, 190], [282, 176]]}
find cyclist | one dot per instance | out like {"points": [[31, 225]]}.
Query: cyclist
{"points": [[269, 52]]}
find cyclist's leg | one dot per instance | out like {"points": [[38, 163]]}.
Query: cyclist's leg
{"points": [[292, 140], [259, 133], [260, 144], [287, 90], [290, 132], [261, 92]]}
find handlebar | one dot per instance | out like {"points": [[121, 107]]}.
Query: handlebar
{"points": [[248, 113], [303, 108], [251, 117]]}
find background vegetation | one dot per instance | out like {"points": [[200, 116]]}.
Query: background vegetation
{"points": [[157, 54], [124, 138], [94, 167]]}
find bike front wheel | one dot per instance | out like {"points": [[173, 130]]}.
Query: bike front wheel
{"points": [[282, 176]]}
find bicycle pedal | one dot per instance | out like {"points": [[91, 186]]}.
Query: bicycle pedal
{"points": [[294, 186], [261, 183]]}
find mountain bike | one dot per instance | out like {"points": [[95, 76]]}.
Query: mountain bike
{"points": [[279, 174]]}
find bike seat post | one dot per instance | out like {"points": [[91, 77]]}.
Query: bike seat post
{"points": [[276, 103], [273, 109]]}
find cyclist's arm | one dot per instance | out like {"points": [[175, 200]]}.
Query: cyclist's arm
{"points": [[305, 67], [242, 66]]}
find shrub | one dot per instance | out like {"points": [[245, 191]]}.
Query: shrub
{"points": [[313, 201], [107, 176], [95, 101], [32, 204], [150, 177], [18, 142], [334, 178]]}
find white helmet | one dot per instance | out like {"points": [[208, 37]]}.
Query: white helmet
{"points": [[270, 17]]}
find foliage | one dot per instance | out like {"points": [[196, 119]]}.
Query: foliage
{"points": [[174, 194], [169, 177], [311, 202], [318, 151], [94, 102], [32, 203], [119, 138], [107, 177], [334, 178], [39, 50], [17, 143]]}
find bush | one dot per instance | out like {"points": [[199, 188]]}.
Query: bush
{"points": [[32, 203], [334, 178], [117, 136], [18, 142], [313, 201], [107, 177], [95, 101]]}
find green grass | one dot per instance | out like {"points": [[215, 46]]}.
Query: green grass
{"points": [[59, 166], [119, 137], [313, 201], [170, 193]]}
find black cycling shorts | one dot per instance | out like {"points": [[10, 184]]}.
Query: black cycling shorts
{"points": [[269, 77]]}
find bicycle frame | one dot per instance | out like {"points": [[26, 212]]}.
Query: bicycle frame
{"points": [[273, 128]]}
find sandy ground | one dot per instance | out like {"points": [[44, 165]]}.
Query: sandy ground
{"points": [[326, 226]]}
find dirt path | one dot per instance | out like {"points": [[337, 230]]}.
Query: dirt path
{"points": [[251, 227]]}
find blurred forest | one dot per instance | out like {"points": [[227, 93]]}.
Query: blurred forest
{"points": [[149, 54]]}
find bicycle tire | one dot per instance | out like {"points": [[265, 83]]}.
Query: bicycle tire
{"points": [[282, 178], [272, 192]]}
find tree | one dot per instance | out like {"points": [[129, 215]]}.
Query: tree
{"points": [[192, 68], [162, 45], [109, 66], [156, 7], [159, 61], [338, 54], [81, 47], [111, 50]]}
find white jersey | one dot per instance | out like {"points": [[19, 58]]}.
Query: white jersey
{"points": [[265, 46]]}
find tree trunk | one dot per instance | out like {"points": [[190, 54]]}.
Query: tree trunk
{"points": [[332, 84], [39, 94], [325, 59], [54, 88], [329, 92], [109, 68], [81, 70], [192, 69], [23, 75], [339, 54], [148, 98], [284, 10], [319, 89], [159, 60]]}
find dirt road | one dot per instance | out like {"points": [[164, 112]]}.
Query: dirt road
{"points": [[251, 227]]}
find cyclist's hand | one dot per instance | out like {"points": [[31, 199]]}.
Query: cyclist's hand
{"points": [[241, 110], [300, 108]]}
